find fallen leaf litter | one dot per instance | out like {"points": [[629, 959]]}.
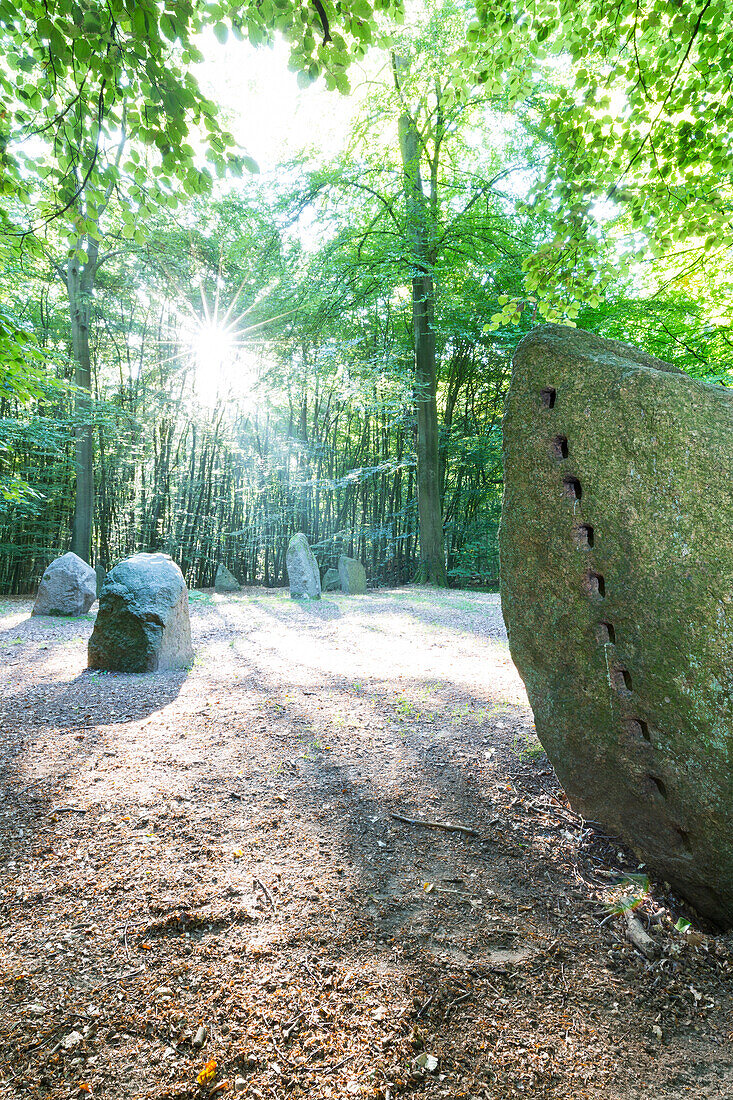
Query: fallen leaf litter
{"points": [[262, 878]]}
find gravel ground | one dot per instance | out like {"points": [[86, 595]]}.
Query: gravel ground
{"points": [[207, 885]]}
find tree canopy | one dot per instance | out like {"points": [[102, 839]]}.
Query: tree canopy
{"points": [[205, 362]]}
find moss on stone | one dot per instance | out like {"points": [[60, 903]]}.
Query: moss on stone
{"points": [[617, 590]]}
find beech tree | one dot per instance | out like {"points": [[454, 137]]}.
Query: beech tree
{"points": [[101, 108]]}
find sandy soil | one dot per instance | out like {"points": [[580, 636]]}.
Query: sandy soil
{"points": [[204, 889]]}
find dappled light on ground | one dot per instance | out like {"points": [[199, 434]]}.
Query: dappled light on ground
{"points": [[225, 849]]}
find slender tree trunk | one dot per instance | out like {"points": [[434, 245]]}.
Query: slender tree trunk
{"points": [[79, 287], [432, 554]]}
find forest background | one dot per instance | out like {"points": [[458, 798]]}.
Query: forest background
{"points": [[202, 354]]}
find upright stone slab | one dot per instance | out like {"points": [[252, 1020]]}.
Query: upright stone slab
{"points": [[68, 587], [226, 581], [142, 624], [331, 581], [303, 573], [352, 575], [617, 591]]}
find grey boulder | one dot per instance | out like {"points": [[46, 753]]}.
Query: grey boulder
{"points": [[142, 624], [303, 573], [331, 581], [352, 575], [226, 581], [68, 587]]}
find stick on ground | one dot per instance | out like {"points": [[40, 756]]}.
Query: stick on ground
{"points": [[437, 825]]}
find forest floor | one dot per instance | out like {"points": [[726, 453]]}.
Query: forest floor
{"points": [[205, 891]]}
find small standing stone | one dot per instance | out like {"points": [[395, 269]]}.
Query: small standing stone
{"points": [[68, 587], [143, 623], [331, 581], [303, 574], [352, 575], [226, 581], [100, 573]]}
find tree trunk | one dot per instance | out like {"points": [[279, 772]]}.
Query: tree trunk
{"points": [[78, 284], [431, 569]]}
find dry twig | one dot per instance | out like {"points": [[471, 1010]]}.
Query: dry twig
{"points": [[437, 825]]}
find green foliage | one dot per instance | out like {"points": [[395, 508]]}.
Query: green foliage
{"points": [[77, 76], [312, 269]]}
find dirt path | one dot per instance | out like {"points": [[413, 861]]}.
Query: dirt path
{"points": [[205, 867]]}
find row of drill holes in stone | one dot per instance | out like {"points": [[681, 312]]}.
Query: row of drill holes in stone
{"points": [[595, 583]]}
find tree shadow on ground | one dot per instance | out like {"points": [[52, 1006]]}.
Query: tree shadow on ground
{"points": [[269, 858], [75, 715]]}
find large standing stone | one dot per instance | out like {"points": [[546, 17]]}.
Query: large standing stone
{"points": [[142, 624], [226, 581], [68, 587], [303, 573], [331, 581], [352, 575], [617, 590]]}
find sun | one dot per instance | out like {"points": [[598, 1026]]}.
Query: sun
{"points": [[212, 345], [224, 358], [215, 353]]}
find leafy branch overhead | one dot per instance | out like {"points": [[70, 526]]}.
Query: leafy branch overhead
{"points": [[74, 69], [633, 101]]}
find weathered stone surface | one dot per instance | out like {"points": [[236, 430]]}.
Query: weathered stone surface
{"points": [[331, 581], [68, 587], [226, 581], [142, 624], [617, 591], [303, 573], [352, 575]]}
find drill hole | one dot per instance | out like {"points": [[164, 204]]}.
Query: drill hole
{"points": [[572, 488], [622, 679], [638, 729], [659, 786], [559, 448], [547, 397], [595, 585], [584, 536], [684, 838], [606, 634]]}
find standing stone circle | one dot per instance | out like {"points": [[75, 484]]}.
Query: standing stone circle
{"points": [[142, 624], [617, 591], [352, 575], [331, 581], [226, 581], [68, 587], [303, 573]]}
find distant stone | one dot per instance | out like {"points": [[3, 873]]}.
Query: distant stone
{"points": [[617, 591], [142, 624], [352, 576], [100, 573], [68, 587], [303, 574], [226, 581], [331, 581]]}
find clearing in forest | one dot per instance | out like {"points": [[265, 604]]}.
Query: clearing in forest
{"points": [[207, 887]]}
